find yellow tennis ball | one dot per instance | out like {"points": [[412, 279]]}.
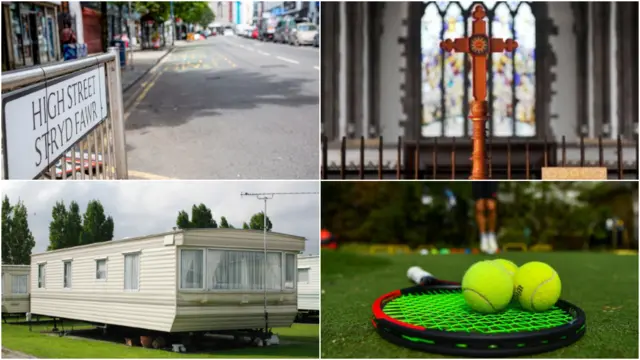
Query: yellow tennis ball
{"points": [[537, 285], [486, 287], [509, 266]]}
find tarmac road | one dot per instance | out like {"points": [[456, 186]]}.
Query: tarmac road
{"points": [[228, 108]]}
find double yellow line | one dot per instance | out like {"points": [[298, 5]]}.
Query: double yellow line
{"points": [[146, 87]]}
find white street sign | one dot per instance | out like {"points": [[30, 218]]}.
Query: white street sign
{"points": [[43, 122]]}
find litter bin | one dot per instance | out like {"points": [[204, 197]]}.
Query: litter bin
{"points": [[122, 50]]}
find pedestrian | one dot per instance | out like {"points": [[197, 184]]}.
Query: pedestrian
{"points": [[69, 41], [485, 194]]}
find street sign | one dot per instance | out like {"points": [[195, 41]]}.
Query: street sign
{"points": [[41, 122]]}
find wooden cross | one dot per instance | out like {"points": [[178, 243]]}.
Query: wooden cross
{"points": [[479, 45]]}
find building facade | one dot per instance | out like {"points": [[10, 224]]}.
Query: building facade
{"points": [[298, 9]]}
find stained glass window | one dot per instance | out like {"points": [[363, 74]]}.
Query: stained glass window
{"points": [[511, 75]]}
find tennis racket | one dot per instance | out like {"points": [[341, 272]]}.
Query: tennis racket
{"points": [[432, 316]]}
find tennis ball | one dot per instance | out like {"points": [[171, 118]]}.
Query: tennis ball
{"points": [[508, 266], [537, 285], [486, 287]]}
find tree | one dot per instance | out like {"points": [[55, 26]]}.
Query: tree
{"points": [[224, 224], [6, 230], [157, 9], [183, 220], [57, 234], [17, 240], [73, 226], [22, 239], [245, 226], [96, 227], [201, 218], [65, 230], [206, 17], [257, 222], [194, 12]]}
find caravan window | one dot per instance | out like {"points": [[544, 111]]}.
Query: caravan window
{"points": [[101, 269], [41, 275], [67, 274], [191, 269], [132, 271], [19, 284], [243, 270], [290, 271], [303, 276]]}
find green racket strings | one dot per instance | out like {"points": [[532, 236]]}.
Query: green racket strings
{"points": [[446, 310]]}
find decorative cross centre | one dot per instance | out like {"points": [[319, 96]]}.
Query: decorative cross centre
{"points": [[479, 46]]}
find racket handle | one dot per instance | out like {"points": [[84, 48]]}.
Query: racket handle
{"points": [[418, 275]]}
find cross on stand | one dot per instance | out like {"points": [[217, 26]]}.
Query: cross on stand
{"points": [[479, 45]]}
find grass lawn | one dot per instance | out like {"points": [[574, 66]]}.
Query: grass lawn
{"points": [[605, 286], [19, 338]]}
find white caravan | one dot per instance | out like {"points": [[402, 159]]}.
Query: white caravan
{"points": [[196, 280], [308, 285], [15, 289]]}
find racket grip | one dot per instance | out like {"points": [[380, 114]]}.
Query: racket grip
{"points": [[417, 275]]}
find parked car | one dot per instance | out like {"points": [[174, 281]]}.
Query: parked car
{"points": [[304, 34], [268, 29], [286, 28]]}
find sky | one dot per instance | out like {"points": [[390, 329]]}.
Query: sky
{"points": [[143, 208]]}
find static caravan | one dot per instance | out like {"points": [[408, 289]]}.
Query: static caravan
{"points": [[308, 285], [15, 289], [197, 280]]}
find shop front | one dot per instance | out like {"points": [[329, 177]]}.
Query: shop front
{"points": [[30, 34], [296, 9]]}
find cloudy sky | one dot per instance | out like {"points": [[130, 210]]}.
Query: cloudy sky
{"points": [[147, 207]]}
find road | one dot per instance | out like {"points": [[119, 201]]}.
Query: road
{"points": [[228, 108]]}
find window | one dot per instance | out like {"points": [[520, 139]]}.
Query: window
{"points": [[290, 271], [67, 274], [445, 75], [132, 271], [19, 284], [101, 269], [192, 269], [303, 276], [41, 275], [243, 270]]}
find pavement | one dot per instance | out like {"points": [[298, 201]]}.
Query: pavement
{"points": [[12, 354], [227, 108], [142, 62]]}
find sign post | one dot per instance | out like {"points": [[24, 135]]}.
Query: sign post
{"points": [[42, 121]]}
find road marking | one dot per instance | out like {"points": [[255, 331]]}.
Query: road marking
{"points": [[317, 68], [250, 49], [147, 176], [287, 60], [144, 92], [263, 53], [229, 61]]}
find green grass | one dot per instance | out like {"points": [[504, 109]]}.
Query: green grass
{"points": [[19, 338], [605, 286]]}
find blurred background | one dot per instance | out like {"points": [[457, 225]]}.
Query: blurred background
{"points": [[430, 216]]}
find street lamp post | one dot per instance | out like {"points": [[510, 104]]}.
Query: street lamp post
{"points": [[173, 25]]}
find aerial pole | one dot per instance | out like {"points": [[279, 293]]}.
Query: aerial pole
{"points": [[265, 197]]}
